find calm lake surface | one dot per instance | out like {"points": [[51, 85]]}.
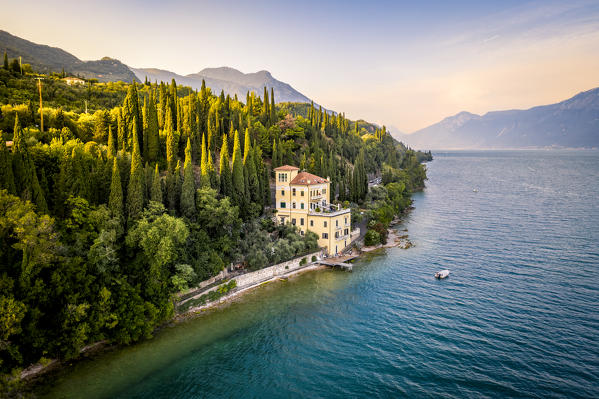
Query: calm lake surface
{"points": [[518, 317]]}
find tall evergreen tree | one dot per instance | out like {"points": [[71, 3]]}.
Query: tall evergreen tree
{"points": [[156, 190], [6, 66], [252, 179], [275, 154], [24, 173], [247, 145], [188, 188], [135, 190], [7, 180], [204, 176], [174, 104], [273, 110], [112, 143], [225, 170], [237, 178], [152, 134], [132, 115], [145, 115], [122, 131], [171, 143], [115, 200]]}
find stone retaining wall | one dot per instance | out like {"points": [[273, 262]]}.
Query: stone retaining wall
{"points": [[248, 279], [259, 276]]}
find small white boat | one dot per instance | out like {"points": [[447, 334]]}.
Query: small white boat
{"points": [[442, 274], [475, 190]]}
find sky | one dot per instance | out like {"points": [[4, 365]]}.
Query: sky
{"points": [[402, 64]]}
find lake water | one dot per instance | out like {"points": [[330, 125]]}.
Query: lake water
{"points": [[518, 317]]}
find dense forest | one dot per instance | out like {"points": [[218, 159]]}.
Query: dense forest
{"points": [[115, 196]]}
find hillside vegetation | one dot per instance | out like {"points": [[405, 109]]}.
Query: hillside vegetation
{"points": [[106, 214]]}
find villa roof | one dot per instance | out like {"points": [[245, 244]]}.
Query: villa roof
{"points": [[306, 178], [286, 168]]}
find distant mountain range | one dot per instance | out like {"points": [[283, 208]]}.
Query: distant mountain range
{"points": [[52, 59], [228, 79], [573, 123]]}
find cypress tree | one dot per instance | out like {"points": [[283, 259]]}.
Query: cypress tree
{"points": [[7, 180], [112, 145], [273, 110], [213, 177], [177, 181], [171, 144], [247, 145], [24, 174], [145, 115], [204, 176], [152, 134], [122, 131], [135, 189], [132, 115], [115, 200], [252, 179], [225, 170], [188, 188], [265, 112], [156, 190], [237, 178], [6, 61], [174, 103], [275, 154]]}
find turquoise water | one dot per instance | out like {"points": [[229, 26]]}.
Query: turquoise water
{"points": [[518, 317]]}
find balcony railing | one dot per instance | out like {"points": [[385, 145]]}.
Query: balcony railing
{"points": [[329, 211]]}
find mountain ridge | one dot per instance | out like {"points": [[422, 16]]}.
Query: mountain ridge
{"points": [[571, 123], [44, 58], [228, 79]]}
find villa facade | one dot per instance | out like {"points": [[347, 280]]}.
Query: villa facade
{"points": [[303, 199]]}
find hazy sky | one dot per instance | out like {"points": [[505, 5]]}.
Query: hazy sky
{"points": [[403, 64]]}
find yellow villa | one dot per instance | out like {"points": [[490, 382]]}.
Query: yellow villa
{"points": [[303, 199]]}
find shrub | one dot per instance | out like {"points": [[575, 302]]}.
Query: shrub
{"points": [[303, 261], [313, 258], [372, 237]]}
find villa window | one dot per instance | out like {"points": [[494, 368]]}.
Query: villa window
{"points": [[325, 235], [282, 192], [293, 191], [282, 220], [324, 190], [346, 220], [325, 224], [301, 221], [302, 193], [282, 177], [336, 223], [346, 231], [301, 233], [336, 234], [311, 223], [293, 222], [302, 205], [293, 205], [283, 204]]}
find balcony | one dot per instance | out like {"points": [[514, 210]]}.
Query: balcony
{"points": [[329, 210]]}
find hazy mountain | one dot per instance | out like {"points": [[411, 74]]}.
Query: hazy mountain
{"points": [[52, 59], [570, 123], [228, 79]]}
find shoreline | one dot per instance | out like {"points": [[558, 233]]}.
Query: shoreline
{"points": [[36, 372], [198, 310]]}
